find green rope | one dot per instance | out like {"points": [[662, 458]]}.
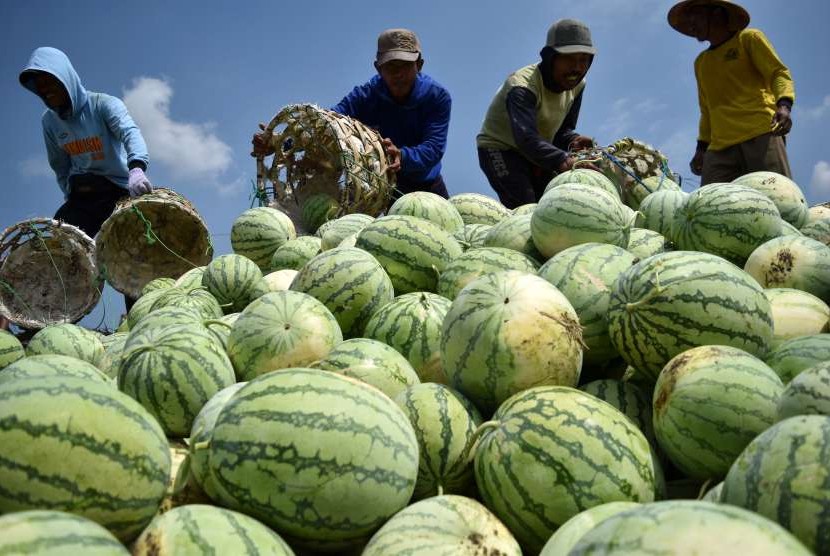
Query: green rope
{"points": [[153, 238], [57, 270], [14, 293], [257, 196]]}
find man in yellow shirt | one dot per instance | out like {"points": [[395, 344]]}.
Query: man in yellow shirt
{"points": [[744, 89]]}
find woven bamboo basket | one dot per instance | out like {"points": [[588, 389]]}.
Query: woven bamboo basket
{"points": [[319, 151], [152, 236], [47, 273]]}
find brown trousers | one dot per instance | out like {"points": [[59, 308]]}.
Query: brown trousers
{"points": [[766, 152]]}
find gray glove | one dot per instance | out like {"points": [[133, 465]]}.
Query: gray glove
{"points": [[138, 183]]}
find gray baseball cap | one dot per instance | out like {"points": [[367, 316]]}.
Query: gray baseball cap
{"points": [[569, 36], [398, 44]]}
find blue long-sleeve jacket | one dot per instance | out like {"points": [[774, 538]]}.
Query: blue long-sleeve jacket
{"points": [[95, 135], [418, 127]]}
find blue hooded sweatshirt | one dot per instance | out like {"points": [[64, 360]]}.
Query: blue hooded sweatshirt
{"points": [[418, 127], [95, 135]]}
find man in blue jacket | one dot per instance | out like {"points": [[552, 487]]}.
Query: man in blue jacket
{"points": [[410, 110]]}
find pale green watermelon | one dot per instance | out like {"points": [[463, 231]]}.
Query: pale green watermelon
{"points": [[472, 235], [792, 262], [514, 232], [431, 207], [50, 533], [476, 262], [807, 394], [585, 176], [234, 281], [338, 230], [258, 232], [294, 253], [796, 313], [476, 208], [68, 339], [566, 537], [783, 191], [819, 230], [10, 349]]}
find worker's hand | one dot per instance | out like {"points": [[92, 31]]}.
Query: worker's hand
{"points": [[696, 165], [781, 122], [393, 155], [581, 142], [262, 145], [138, 184], [572, 162]]}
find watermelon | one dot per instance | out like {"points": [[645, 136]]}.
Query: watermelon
{"points": [[807, 394], [234, 281], [142, 307], [631, 400], [317, 210], [818, 212], [640, 189], [75, 445], [281, 330], [709, 403], [50, 365], [431, 207], [349, 282], [280, 280], [113, 353], [657, 211], [644, 243], [338, 230], [197, 298], [157, 284], [221, 328], [166, 316], [294, 253], [348, 241], [727, 220], [479, 261], [788, 229], [10, 349], [476, 208], [452, 525], [796, 313], [792, 262], [506, 332], [190, 279], [671, 302], [566, 537], [321, 458], [45, 533], [799, 354], [687, 527], [258, 232], [372, 362], [67, 339], [552, 452], [784, 475], [514, 232], [445, 431], [585, 274], [412, 251], [713, 494], [411, 324], [525, 209], [585, 176], [472, 235], [200, 529], [819, 230], [782, 191]]}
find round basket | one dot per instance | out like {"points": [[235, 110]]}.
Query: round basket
{"points": [[47, 273], [155, 235], [319, 151]]}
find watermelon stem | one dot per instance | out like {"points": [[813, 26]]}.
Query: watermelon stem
{"points": [[630, 307], [219, 322], [476, 438]]}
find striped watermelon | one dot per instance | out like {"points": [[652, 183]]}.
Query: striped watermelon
{"points": [[657, 211], [411, 324], [792, 262], [113, 353], [818, 212], [197, 298], [190, 279], [281, 330], [552, 452], [796, 313], [640, 189], [157, 284], [280, 280], [819, 230], [585, 274], [479, 261], [372, 362], [506, 332], [727, 220], [317, 210], [431, 207], [173, 371], [585, 176], [74, 445], [709, 403], [142, 307], [788, 229], [631, 400], [234, 281], [575, 213], [44, 533], [807, 394], [258, 232], [166, 316], [338, 230], [643, 243], [472, 235], [200, 529], [321, 458], [10, 349], [294, 253], [451, 525], [349, 282], [44, 366], [348, 241], [476, 208], [445, 431], [514, 232], [221, 328], [782, 191], [566, 537], [675, 301], [799, 354], [67, 339], [687, 527], [525, 209], [784, 475], [411, 250]]}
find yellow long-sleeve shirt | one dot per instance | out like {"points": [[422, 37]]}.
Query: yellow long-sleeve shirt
{"points": [[739, 83]]}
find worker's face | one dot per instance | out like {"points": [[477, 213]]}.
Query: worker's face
{"points": [[570, 69], [399, 77], [704, 22], [51, 91]]}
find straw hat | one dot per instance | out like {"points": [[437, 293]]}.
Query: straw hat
{"points": [[678, 15]]}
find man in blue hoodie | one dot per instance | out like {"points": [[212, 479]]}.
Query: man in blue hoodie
{"points": [[410, 110], [95, 149]]}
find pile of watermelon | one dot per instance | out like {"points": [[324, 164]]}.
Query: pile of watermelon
{"points": [[591, 374]]}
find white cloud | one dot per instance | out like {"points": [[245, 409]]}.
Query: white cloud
{"points": [[628, 116], [188, 150], [816, 112], [35, 167], [820, 184], [235, 187]]}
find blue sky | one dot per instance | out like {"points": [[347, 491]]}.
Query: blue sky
{"points": [[199, 76]]}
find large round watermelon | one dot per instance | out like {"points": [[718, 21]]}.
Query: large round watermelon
{"points": [[796, 313], [793, 356], [657, 211], [807, 394], [10, 349], [792, 262], [782, 191], [294, 253], [234, 281], [566, 537], [45, 533], [585, 176], [338, 230], [431, 207], [67, 339], [476, 262], [258, 232], [476, 208], [514, 232], [44, 366]]}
